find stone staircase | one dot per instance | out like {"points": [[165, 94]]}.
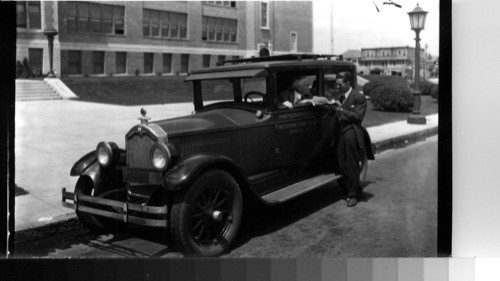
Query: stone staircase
{"points": [[27, 90]]}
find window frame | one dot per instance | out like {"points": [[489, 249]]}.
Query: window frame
{"points": [[169, 60], [266, 16], [102, 60], [78, 62], [219, 30], [174, 24], [26, 21], [111, 18], [152, 56], [183, 55], [117, 64]]}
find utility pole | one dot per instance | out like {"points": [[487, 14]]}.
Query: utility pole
{"points": [[331, 26]]}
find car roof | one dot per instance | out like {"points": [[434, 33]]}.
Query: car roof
{"points": [[258, 67], [271, 64]]}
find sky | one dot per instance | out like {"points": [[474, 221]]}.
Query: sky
{"points": [[357, 24]]}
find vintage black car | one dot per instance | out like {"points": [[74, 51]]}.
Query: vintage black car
{"points": [[193, 175]]}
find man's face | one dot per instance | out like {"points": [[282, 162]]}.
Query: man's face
{"points": [[342, 86]]}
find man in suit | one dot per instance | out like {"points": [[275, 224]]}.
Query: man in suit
{"points": [[354, 144]]}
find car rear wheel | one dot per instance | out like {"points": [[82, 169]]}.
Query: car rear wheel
{"points": [[97, 224], [206, 217]]}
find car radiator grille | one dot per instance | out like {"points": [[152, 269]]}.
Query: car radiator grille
{"points": [[138, 149]]}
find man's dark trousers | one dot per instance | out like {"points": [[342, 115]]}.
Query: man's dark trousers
{"points": [[348, 153]]}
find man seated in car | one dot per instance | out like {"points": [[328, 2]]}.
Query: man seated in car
{"points": [[300, 93]]}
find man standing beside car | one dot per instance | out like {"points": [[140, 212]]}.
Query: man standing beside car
{"points": [[355, 143]]}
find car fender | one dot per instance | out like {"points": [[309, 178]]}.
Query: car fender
{"points": [[185, 172], [103, 179]]}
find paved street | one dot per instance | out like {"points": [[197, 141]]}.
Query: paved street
{"points": [[399, 219]]}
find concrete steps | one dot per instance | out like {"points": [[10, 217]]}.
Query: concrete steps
{"points": [[27, 90]]}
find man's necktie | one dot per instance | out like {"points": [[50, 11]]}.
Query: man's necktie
{"points": [[341, 99]]}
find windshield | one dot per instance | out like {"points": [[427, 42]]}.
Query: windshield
{"points": [[251, 91]]}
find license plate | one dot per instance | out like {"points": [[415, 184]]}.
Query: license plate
{"points": [[136, 175]]}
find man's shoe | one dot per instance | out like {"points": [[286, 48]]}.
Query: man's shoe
{"points": [[352, 201], [361, 196]]}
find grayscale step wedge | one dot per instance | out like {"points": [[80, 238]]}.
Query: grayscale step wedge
{"points": [[299, 188]]}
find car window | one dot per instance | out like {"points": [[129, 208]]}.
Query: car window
{"points": [[214, 91], [289, 81], [252, 91]]}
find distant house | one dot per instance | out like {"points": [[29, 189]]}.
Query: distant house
{"points": [[395, 61], [352, 56]]}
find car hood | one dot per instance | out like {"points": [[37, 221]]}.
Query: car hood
{"points": [[213, 120]]}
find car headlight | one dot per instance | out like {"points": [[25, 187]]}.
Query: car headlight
{"points": [[106, 153], [161, 156]]}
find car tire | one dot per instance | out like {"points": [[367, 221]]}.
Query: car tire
{"points": [[99, 225], [205, 217]]}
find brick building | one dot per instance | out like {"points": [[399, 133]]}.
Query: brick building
{"points": [[396, 61], [157, 37]]}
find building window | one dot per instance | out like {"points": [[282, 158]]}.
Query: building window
{"points": [[219, 29], [221, 58], [206, 61], [121, 62], [293, 41], [28, 14], [148, 62], [35, 58], [98, 18], [167, 63], [264, 14], [95, 18], [97, 62], [231, 4], [164, 24], [74, 62], [184, 63]]}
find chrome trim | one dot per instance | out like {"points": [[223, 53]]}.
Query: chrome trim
{"points": [[122, 209]]}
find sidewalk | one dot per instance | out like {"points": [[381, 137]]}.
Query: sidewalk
{"points": [[52, 135]]}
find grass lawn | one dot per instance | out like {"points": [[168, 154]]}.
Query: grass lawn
{"points": [[143, 90]]}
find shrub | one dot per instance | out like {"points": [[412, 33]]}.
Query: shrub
{"points": [[392, 98], [425, 87], [19, 69], [386, 79], [435, 92], [370, 86]]}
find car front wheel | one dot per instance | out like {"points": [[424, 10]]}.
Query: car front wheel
{"points": [[206, 217]]}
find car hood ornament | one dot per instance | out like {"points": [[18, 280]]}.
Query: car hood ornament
{"points": [[144, 119]]}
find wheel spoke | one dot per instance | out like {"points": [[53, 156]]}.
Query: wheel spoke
{"points": [[198, 224], [201, 232], [196, 215], [216, 195], [198, 206], [210, 195], [220, 203]]}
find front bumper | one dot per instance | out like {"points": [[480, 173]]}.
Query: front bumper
{"points": [[118, 210]]}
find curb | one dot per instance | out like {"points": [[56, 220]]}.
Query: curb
{"points": [[59, 224], [70, 222], [404, 140]]}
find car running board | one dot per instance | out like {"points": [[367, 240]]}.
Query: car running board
{"points": [[296, 189]]}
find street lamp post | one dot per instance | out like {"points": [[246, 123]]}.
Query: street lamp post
{"points": [[50, 33], [417, 22]]}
